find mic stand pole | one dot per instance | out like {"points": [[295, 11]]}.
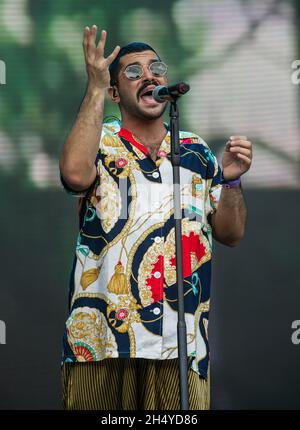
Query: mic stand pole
{"points": [[181, 325]]}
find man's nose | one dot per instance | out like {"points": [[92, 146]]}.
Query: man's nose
{"points": [[147, 74]]}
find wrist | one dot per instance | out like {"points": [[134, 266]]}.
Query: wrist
{"points": [[230, 183], [94, 91]]}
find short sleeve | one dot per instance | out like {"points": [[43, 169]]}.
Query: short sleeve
{"points": [[75, 193], [213, 181], [214, 192], [81, 193]]}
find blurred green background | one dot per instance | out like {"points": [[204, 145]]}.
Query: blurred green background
{"points": [[237, 56]]}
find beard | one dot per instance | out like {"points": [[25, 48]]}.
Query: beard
{"points": [[147, 114], [133, 108]]}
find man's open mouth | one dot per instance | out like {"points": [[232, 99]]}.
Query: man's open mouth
{"points": [[146, 94]]}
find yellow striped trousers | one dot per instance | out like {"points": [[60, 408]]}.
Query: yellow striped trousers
{"points": [[130, 384]]}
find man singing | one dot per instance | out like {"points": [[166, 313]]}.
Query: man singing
{"points": [[120, 343]]}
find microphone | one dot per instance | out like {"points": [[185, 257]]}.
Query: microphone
{"points": [[161, 94]]}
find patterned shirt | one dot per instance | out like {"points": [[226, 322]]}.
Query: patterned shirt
{"points": [[123, 292]]}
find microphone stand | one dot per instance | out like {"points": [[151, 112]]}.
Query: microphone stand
{"points": [[181, 325]]}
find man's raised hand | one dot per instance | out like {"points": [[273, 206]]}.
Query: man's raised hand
{"points": [[96, 64]]}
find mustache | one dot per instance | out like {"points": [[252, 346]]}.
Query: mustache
{"points": [[145, 85]]}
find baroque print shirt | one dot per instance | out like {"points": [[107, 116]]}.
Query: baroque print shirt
{"points": [[123, 292]]}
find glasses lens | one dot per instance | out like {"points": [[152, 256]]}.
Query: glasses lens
{"points": [[134, 71], [158, 68]]}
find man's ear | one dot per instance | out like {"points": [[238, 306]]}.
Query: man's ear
{"points": [[113, 93]]}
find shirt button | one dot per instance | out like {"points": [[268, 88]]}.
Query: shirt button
{"points": [[155, 175], [157, 239], [161, 153], [157, 275], [156, 311]]}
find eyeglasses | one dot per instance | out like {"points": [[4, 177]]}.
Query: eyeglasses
{"points": [[136, 71]]}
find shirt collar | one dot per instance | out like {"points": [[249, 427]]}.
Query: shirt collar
{"points": [[127, 135]]}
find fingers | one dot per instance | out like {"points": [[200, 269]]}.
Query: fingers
{"points": [[86, 33], [101, 44], [92, 39], [239, 142], [241, 150], [89, 37], [243, 143], [240, 147], [89, 44], [113, 55], [234, 138], [244, 159]]}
